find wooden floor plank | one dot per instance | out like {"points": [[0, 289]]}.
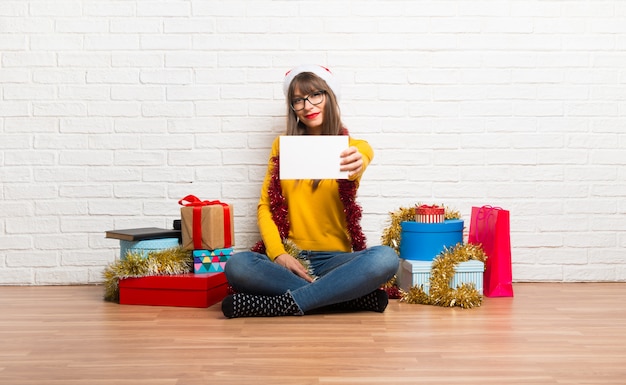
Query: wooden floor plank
{"points": [[549, 333]]}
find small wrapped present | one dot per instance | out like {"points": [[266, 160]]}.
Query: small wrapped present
{"points": [[429, 214], [185, 290], [206, 225], [210, 261]]}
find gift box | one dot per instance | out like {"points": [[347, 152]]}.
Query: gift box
{"points": [[210, 261], [429, 214], [425, 241], [412, 273], [184, 290], [145, 246], [206, 225]]}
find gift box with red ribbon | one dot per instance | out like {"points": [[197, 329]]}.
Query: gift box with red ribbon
{"points": [[429, 214], [206, 225], [184, 290]]}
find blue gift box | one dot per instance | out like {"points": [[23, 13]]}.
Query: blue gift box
{"points": [[425, 241], [143, 247], [211, 261], [417, 273]]}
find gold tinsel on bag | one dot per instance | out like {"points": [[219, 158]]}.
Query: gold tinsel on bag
{"points": [[163, 262], [440, 294], [443, 269]]}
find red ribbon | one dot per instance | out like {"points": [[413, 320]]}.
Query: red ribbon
{"points": [[431, 209], [197, 204]]}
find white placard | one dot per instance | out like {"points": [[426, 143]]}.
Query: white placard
{"points": [[312, 157]]}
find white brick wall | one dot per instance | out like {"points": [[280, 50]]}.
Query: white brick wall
{"points": [[111, 111]]}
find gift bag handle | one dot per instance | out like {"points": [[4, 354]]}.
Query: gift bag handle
{"points": [[484, 214]]}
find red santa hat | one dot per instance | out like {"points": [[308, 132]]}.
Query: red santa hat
{"points": [[318, 70]]}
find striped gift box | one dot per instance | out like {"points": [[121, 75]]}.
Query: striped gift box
{"points": [[145, 246], [417, 273], [429, 214]]}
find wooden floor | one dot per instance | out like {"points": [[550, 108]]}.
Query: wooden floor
{"points": [[550, 333]]}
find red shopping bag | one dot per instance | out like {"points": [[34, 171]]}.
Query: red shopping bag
{"points": [[489, 226]]}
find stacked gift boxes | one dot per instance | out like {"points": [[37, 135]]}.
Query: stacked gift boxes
{"points": [[208, 231], [426, 238], [164, 290]]}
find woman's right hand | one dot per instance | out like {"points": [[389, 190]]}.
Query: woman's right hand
{"points": [[292, 264]]}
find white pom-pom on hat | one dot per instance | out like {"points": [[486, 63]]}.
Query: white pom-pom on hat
{"points": [[318, 70]]}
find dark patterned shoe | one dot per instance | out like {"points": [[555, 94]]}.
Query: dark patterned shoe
{"points": [[375, 301], [250, 305]]}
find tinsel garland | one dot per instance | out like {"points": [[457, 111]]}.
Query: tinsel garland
{"points": [[353, 212], [391, 238], [278, 206], [293, 250], [163, 262], [392, 289], [443, 267], [391, 234], [443, 270]]}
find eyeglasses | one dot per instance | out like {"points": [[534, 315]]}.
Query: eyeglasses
{"points": [[315, 98]]}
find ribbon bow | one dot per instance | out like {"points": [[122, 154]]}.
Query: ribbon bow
{"points": [[429, 207]]}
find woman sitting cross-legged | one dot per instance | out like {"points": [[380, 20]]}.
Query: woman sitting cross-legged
{"points": [[313, 255]]}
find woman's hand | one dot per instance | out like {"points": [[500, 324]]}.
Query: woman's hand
{"points": [[292, 264], [351, 161]]}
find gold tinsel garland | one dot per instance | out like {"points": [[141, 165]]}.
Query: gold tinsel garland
{"points": [[292, 249], [391, 234], [443, 267], [442, 271], [163, 262]]}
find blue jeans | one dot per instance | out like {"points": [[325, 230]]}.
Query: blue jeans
{"points": [[342, 276]]}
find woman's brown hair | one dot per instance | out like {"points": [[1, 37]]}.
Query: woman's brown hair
{"points": [[308, 83]]}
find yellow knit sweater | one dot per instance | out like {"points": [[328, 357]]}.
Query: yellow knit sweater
{"points": [[316, 218]]}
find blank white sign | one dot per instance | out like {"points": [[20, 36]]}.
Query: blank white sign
{"points": [[312, 157]]}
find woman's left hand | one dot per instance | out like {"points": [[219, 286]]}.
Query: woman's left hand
{"points": [[351, 161]]}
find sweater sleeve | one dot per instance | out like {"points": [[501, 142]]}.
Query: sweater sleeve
{"points": [[368, 154], [268, 229]]}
